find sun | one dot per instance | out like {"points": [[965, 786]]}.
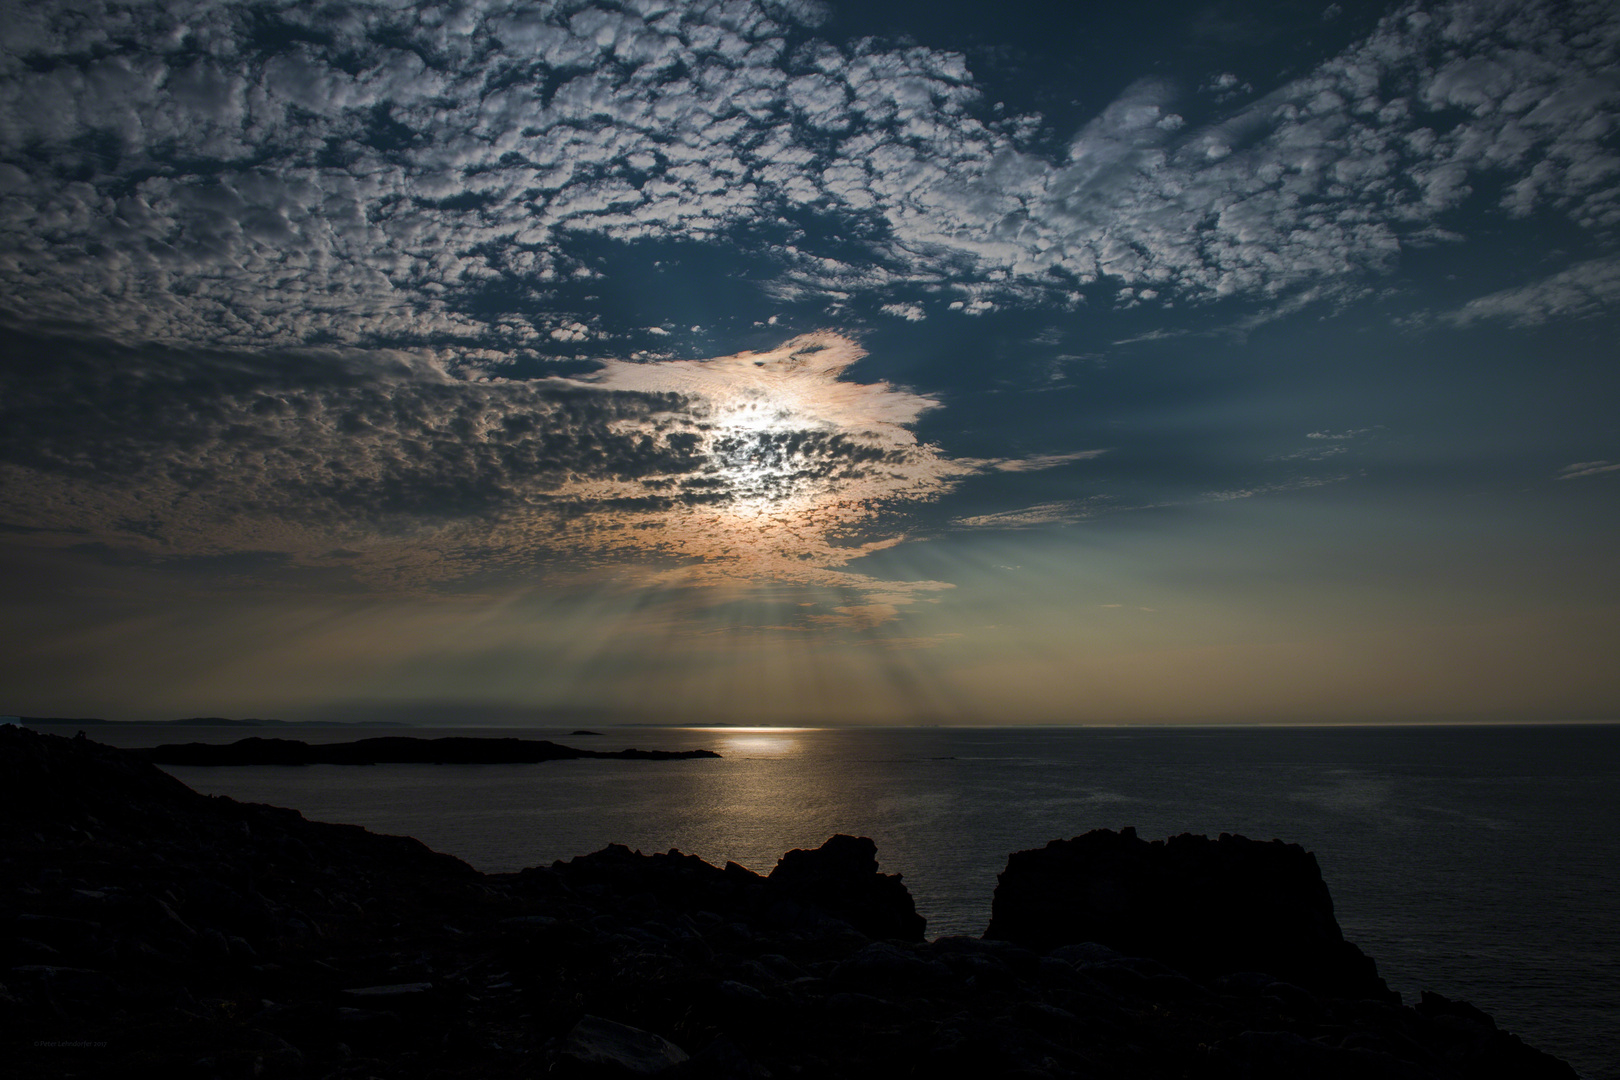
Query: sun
{"points": [[794, 459], [758, 449]]}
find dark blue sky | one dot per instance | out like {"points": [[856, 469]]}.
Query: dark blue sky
{"points": [[787, 361]]}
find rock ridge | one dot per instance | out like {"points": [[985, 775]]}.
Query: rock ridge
{"points": [[1205, 907]]}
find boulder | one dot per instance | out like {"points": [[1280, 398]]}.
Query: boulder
{"points": [[595, 1044], [1205, 907]]}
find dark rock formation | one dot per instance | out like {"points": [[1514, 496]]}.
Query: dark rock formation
{"points": [[1204, 907], [841, 878], [395, 749], [155, 931], [834, 887], [603, 1047]]}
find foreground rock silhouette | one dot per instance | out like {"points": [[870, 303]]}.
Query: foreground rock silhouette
{"points": [[155, 931], [1205, 907]]}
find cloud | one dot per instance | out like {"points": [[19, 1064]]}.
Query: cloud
{"points": [[739, 471], [374, 179], [1225, 86], [1071, 511], [1583, 291], [1152, 335], [1341, 436], [571, 331], [1587, 468], [1315, 453], [1251, 491], [1043, 461], [323, 439], [274, 274], [1327, 444], [1063, 512]]}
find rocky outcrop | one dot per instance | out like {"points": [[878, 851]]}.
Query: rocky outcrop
{"points": [[841, 879], [1204, 907], [824, 890], [395, 749], [155, 931]]}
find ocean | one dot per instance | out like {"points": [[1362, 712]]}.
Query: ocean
{"points": [[1478, 862]]}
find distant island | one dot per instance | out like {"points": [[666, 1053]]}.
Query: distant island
{"points": [[193, 721], [395, 750]]}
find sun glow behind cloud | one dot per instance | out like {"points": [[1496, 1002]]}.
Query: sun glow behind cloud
{"points": [[799, 464], [758, 470], [358, 349]]}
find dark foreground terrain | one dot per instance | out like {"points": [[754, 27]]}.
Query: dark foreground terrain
{"points": [[152, 930]]}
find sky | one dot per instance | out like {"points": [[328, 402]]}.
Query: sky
{"points": [[771, 361]]}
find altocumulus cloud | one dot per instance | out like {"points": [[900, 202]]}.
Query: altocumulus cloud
{"points": [[766, 466], [264, 174], [265, 265]]}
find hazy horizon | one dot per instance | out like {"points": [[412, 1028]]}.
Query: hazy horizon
{"points": [[539, 723]]}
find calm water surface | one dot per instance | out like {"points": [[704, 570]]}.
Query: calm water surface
{"points": [[1478, 862]]}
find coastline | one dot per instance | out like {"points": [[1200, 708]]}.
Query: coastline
{"points": [[394, 750], [169, 925]]}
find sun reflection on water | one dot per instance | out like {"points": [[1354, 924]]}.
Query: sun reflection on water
{"points": [[757, 741]]}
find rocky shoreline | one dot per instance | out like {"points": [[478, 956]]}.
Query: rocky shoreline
{"points": [[155, 930]]}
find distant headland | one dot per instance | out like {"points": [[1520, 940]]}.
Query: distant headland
{"points": [[395, 749], [193, 721]]}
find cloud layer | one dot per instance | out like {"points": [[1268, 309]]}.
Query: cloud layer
{"points": [[280, 279], [758, 467], [277, 175]]}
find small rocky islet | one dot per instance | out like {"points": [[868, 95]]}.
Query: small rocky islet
{"points": [[156, 930]]}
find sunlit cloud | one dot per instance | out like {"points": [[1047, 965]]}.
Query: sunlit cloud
{"points": [[1587, 468], [1065, 512], [768, 468], [439, 314], [1044, 461], [476, 147]]}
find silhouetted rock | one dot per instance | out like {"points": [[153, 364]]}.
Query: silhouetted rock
{"points": [[835, 885], [841, 878], [603, 1047], [155, 931], [1205, 907], [667, 881], [1469, 1035], [395, 749]]}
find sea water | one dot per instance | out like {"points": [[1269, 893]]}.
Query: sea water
{"points": [[1476, 862]]}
